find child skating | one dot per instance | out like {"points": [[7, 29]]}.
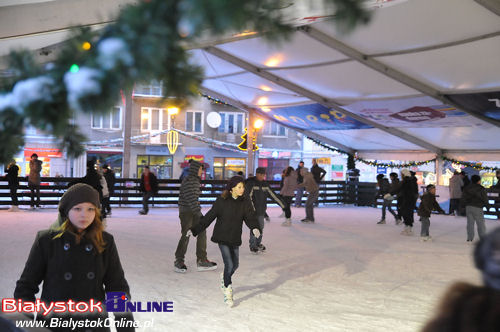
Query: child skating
{"points": [[427, 205], [231, 209]]}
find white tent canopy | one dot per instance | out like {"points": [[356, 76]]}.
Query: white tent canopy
{"points": [[421, 78]]}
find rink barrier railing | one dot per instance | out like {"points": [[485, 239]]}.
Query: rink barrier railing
{"points": [[126, 192]]}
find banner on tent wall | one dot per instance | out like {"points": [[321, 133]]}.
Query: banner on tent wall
{"points": [[313, 116], [420, 112], [487, 103]]}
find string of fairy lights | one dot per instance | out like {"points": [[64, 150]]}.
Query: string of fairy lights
{"points": [[477, 166]]}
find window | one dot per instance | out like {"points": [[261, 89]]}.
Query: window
{"points": [[108, 121], [194, 121], [232, 123], [153, 89], [272, 128], [154, 119], [225, 168]]}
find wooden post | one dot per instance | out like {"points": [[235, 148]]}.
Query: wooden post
{"points": [[250, 136]]}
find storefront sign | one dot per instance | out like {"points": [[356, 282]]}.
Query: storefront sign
{"points": [[324, 161], [235, 162], [157, 150], [43, 152], [196, 157]]}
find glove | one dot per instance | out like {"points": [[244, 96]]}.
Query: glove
{"points": [[189, 233], [256, 232]]}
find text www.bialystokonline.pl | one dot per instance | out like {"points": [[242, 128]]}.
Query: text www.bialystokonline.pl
{"points": [[72, 323]]}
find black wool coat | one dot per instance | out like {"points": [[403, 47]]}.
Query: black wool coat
{"points": [[72, 271], [230, 214]]}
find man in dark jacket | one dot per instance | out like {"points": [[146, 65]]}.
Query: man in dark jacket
{"points": [[318, 174], [474, 198], [258, 190], [190, 214], [110, 177], [395, 185], [383, 191], [148, 187], [299, 190]]}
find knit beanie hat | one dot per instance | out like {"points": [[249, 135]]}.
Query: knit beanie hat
{"points": [[487, 258], [76, 194], [233, 182]]}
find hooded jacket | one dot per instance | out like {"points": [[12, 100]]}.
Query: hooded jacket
{"points": [[475, 195], [230, 214], [318, 173], [428, 204], [189, 192], [258, 192]]}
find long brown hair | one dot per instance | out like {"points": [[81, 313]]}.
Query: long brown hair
{"points": [[93, 233]]}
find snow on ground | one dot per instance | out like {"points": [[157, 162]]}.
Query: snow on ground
{"points": [[344, 273]]}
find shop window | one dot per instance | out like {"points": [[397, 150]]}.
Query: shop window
{"points": [[113, 120], [162, 166], [225, 168], [194, 122], [232, 123]]}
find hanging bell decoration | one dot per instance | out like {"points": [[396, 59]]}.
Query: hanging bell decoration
{"points": [[172, 141]]}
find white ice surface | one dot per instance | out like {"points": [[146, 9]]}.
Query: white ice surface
{"points": [[344, 273]]}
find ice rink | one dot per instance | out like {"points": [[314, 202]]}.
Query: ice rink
{"points": [[343, 273]]}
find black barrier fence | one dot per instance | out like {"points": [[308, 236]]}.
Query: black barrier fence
{"points": [[126, 192]]}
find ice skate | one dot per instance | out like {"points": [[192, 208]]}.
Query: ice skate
{"points": [[228, 296], [287, 222], [381, 222], [180, 267], [261, 248], [407, 231], [13, 208], [206, 265], [398, 221], [425, 239]]}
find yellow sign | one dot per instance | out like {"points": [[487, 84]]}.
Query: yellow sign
{"points": [[324, 161], [172, 141]]}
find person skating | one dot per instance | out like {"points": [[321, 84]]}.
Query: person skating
{"points": [[76, 261], [34, 180], [110, 177], [299, 190], [395, 186], [474, 198], [189, 215], [427, 205], [258, 190], [231, 209], [312, 189], [408, 194], [318, 174], [148, 187], [384, 189], [455, 189], [12, 171], [287, 192]]}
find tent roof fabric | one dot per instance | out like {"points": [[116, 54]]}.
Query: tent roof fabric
{"points": [[422, 76]]}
